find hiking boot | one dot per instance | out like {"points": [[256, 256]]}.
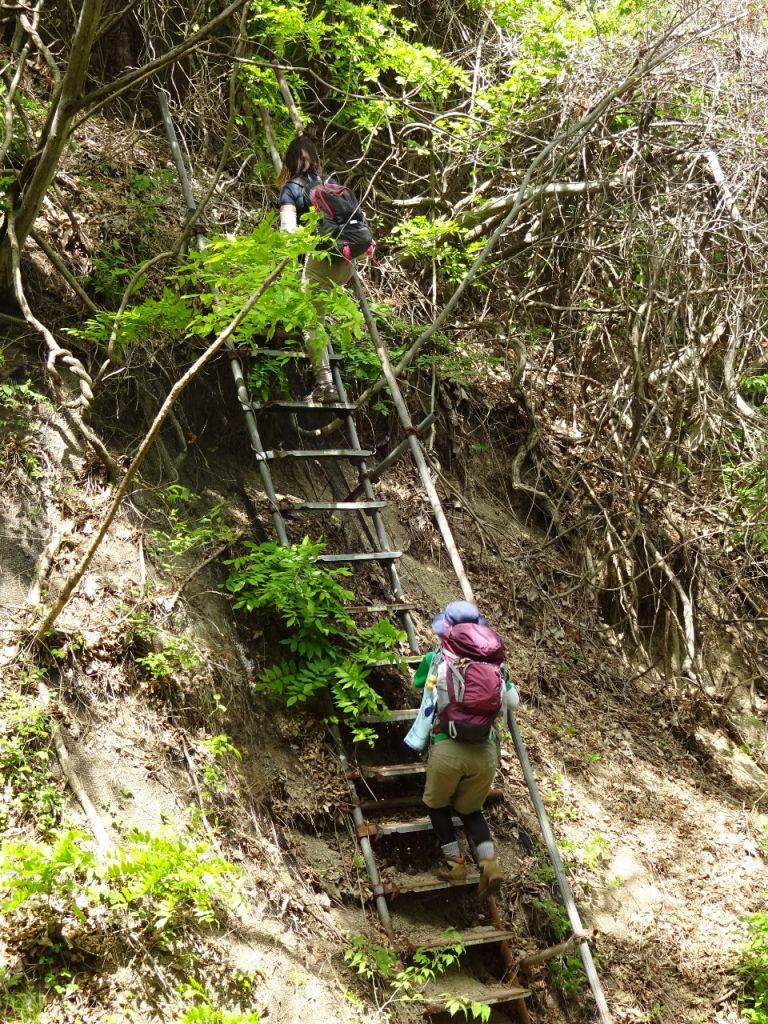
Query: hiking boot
{"points": [[324, 394], [490, 877], [454, 870]]}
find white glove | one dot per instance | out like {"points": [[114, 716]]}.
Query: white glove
{"points": [[288, 218], [512, 697]]}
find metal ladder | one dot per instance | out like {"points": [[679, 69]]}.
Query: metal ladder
{"points": [[366, 812]]}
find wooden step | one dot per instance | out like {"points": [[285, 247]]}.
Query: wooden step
{"points": [[312, 453], [280, 405], [398, 715], [396, 884], [413, 800], [479, 936], [377, 829], [453, 985], [361, 556], [392, 771], [336, 506], [288, 353]]}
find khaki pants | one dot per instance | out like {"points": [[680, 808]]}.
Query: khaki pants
{"points": [[459, 775], [323, 274]]}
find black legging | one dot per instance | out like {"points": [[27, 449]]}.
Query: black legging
{"points": [[475, 824]]}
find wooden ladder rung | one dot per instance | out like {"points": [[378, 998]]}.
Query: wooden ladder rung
{"points": [[291, 406], [336, 506], [360, 556], [314, 453], [399, 715]]}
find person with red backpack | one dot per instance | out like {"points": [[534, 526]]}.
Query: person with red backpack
{"points": [[344, 229], [471, 687]]}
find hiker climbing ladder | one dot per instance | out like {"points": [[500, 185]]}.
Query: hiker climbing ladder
{"points": [[392, 885]]}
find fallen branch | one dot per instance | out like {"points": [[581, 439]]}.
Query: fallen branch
{"points": [[478, 217], [64, 270], [145, 446], [103, 842], [545, 955]]}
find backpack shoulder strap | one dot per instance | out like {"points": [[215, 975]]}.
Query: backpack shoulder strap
{"points": [[306, 183]]}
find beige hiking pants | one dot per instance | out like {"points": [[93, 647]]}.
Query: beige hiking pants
{"points": [[323, 274], [459, 775]]}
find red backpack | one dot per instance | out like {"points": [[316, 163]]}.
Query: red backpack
{"points": [[470, 677], [343, 222]]}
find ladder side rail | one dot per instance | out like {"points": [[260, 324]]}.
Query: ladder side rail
{"points": [[257, 446], [562, 880], [237, 368], [378, 520], [365, 843], [415, 445]]}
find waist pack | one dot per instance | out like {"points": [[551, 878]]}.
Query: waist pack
{"points": [[469, 676], [343, 222]]}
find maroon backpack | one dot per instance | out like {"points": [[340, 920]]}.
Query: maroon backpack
{"points": [[470, 676]]}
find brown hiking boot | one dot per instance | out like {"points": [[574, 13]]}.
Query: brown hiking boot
{"points": [[490, 877], [454, 870]]}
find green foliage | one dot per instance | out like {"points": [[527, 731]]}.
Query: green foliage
{"points": [[18, 422], [366, 50], [143, 195], [185, 531], [754, 969], [329, 649], [204, 295], [22, 108], [219, 750], [380, 963], [549, 33], [557, 802], [746, 493], [461, 362], [29, 790], [204, 1012], [157, 885], [178, 654], [19, 1005], [438, 240], [170, 882], [569, 975], [755, 388], [556, 915]]}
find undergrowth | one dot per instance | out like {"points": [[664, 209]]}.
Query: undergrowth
{"points": [[64, 905], [394, 983], [329, 649], [754, 969]]}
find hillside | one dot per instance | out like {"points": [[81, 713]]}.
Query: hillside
{"points": [[570, 208]]}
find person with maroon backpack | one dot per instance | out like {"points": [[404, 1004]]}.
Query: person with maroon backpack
{"points": [[345, 236], [471, 686]]}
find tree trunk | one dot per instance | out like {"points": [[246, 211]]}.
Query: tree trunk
{"points": [[38, 172]]}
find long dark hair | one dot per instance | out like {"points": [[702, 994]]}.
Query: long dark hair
{"points": [[300, 157]]}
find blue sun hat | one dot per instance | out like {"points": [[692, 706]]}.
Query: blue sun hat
{"points": [[454, 613]]}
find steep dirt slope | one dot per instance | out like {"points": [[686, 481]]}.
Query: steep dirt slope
{"points": [[662, 841]]}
